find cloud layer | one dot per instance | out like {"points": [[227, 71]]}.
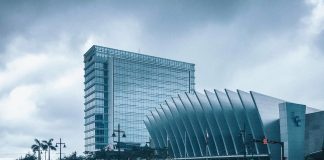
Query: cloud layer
{"points": [[273, 47]]}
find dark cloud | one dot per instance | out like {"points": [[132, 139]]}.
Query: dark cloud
{"points": [[163, 22], [161, 19], [245, 44]]}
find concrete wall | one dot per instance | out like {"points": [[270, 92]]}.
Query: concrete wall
{"points": [[292, 129]]}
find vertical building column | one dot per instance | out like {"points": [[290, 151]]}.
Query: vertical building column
{"points": [[292, 129], [191, 80], [110, 100]]}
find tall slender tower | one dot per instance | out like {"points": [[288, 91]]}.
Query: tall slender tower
{"points": [[121, 87]]}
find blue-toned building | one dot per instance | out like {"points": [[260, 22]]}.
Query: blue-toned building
{"points": [[121, 87], [236, 125]]}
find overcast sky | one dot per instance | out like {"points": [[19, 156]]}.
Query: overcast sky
{"points": [[273, 47]]}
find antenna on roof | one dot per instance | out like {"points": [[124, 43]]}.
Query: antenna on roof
{"points": [[139, 50]]}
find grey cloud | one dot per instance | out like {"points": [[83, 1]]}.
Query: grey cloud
{"points": [[63, 105], [319, 42], [162, 18], [272, 16], [163, 22], [234, 44]]}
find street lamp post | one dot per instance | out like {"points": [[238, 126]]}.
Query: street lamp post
{"points": [[61, 143], [148, 150], [186, 152], [247, 142], [118, 142], [206, 141], [243, 135], [167, 147]]}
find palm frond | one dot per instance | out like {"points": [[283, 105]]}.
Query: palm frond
{"points": [[37, 141], [44, 146], [33, 146], [52, 148]]}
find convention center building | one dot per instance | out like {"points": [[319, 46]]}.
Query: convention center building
{"points": [[236, 125]]}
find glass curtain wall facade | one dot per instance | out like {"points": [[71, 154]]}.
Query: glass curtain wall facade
{"points": [[121, 87]]}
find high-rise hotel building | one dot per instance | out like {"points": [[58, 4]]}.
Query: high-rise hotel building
{"points": [[122, 87]]}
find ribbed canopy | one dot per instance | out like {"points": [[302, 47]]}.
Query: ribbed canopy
{"points": [[213, 124]]}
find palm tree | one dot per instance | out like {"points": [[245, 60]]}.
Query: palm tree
{"points": [[50, 147], [37, 147], [44, 148]]}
